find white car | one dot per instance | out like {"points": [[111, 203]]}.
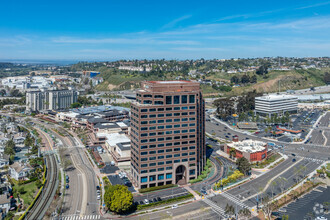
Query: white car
{"points": [[174, 206], [146, 201], [98, 197]]}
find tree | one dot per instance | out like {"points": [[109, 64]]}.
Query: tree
{"points": [[229, 210], [268, 206], [232, 152], [243, 165], [118, 198], [76, 105], [245, 213], [9, 148], [21, 190]]}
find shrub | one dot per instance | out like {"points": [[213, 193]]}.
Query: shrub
{"points": [[150, 189]]}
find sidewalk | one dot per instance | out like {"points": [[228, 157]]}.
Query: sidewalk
{"points": [[197, 197]]}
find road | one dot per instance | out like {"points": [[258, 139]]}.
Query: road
{"points": [[80, 199]]}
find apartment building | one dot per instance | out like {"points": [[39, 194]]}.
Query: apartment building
{"points": [[167, 133], [39, 100]]}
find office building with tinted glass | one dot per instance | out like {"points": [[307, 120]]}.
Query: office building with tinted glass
{"points": [[167, 133]]}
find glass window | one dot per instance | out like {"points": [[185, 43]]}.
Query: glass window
{"points": [[160, 145], [168, 175], [152, 164], [168, 109], [152, 178], [144, 110], [168, 144], [168, 114], [184, 154], [160, 139], [160, 163], [168, 100], [147, 96], [191, 107], [144, 165], [184, 160], [168, 150], [169, 168], [160, 176], [152, 158], [144, 179], [176, 108], [159, 96], [177, 126], [160, 115], [161, 169], [168, 120], [152, 122], [177, 114], [161, 127], [144, 159], [176, 161], [184, 113], [160, 109], [147, 102], [176, 119], [191, 98], [192, 113], [152, 170], [144, 171], [176, 155], [144, 146], [160, 157], [184, 99], [168, 132], [176, 99], [168, 138], [144, 116], [160, 121], [160, 151], [144, 128], [169, 162], [152, 110], [191, 172], [152, 116], [169, 156], [144, 153], [159, 103], [169, 126], [177, 132]]}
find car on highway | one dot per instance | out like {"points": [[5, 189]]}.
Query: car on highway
{"points": [[146, 201]]}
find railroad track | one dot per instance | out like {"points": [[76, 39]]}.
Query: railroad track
{"points": [[43, 202]]}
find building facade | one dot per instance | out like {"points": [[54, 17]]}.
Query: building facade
{"points": [[279, 104], [252, 150], [167, 133], [39, 100]]}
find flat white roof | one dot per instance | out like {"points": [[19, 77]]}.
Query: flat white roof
{"points": [[273, 97], [115, 138], [249, 146], [121, 124]]}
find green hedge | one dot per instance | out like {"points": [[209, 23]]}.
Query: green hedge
{"points": [[177, 199], [156, 188], [206, 171]]}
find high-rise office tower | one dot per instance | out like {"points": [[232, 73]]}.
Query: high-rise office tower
{"points": [[167, 133]]}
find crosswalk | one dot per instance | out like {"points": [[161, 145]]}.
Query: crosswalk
{"points": [[215, 207], [79, 217], [234, 199], [311, 159]]}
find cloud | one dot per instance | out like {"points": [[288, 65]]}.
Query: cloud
{"points": [[136, 41], [175, 21], [314, 5]]}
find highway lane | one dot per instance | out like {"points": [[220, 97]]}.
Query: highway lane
{"points": [[82, 199]]}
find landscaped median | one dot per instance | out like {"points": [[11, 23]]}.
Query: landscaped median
{"points": [[163, 202]]}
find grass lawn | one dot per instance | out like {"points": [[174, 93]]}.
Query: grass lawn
{"points": [[30, 191]]}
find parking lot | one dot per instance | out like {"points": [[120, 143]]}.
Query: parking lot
{"points": [[115, 179]]}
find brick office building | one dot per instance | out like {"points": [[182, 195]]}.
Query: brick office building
{"points": [[167, 133], [252, 150]]}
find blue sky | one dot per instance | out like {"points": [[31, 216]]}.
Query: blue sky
{"points": [[109, 30]]}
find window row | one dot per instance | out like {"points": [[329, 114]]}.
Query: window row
{"points": [[168, 109], [167, 162], [159, 177], [174, 126], [167, 139], [169, 121]]}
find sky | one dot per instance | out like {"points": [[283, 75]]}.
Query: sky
{"points": [[96, 30]]}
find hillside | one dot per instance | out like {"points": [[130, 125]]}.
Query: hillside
{"points": [[287, 80]]}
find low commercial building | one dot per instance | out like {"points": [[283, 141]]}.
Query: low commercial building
{"points": [[279, 104], [252, 150], [119, 146]]}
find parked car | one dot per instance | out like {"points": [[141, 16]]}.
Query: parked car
{"points": [[98, 197], [159, 199], [67, 186], [174, 206], [154, 200], [128, 183], [97, 187], [141, 203], [146, 201]]}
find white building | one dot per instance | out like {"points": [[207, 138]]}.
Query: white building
{"points": [[19, 171], [271, 104], [39, 100], [119, 146]]}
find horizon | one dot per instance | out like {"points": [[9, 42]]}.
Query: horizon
{"points": [[104, 30]]}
